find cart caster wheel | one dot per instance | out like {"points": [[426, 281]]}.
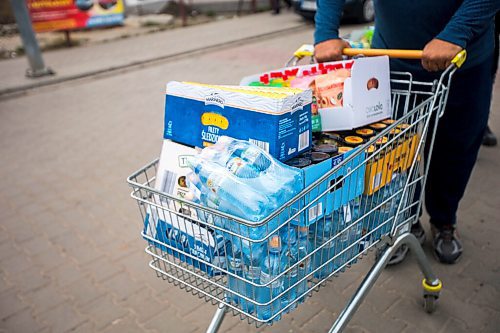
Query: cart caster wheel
{"points": [[431, 294], [430, 303], [378, 253]]}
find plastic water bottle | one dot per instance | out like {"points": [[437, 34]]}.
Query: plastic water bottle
{"points": [[356, 229], [246, 160], [322, 233], [341, 220], [235, 266], [290, 257], [246, 201], [271, 267], [241, 168], [229, 148], [304, 248], [398, 183], [255, 157], [359, 210], [383, 215], [252, 261]]}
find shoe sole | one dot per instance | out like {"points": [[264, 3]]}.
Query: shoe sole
{"points": [[445, 262]]}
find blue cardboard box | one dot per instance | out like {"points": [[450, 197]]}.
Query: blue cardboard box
{"points": [[336, 190], [277, 120], [182, 237]]}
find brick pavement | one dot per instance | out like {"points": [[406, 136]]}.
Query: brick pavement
{"points": [[71, 256]]}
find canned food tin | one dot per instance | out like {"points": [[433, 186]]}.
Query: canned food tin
{"points": [[317, 157], [378, 127], [333, 135], [365, 133], [344, 149], [299, 162], [326, 148], [353, 140], [388, 121]]}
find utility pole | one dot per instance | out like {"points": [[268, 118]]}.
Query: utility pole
{"points": [[31, 48]]}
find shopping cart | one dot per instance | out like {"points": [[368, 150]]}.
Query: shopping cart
{"points": [[394, 168]]}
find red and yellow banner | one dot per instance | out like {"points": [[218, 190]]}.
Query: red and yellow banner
{"points": [[56, 15]]}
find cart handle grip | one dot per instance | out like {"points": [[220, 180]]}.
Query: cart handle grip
{"points": [[458, 60], [307, 50], [401, 54]]}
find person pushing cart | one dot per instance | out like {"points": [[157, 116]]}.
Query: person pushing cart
{"points": [[442, 29]]}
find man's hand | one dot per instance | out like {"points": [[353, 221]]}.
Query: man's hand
{"points": [[330, 50], [438, 55]]}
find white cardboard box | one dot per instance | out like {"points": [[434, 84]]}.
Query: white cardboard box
{"points": [[367, 93], [162, 226]]}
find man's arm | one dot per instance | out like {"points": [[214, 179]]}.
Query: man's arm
{"points": [[469, 21], [328, 45]]}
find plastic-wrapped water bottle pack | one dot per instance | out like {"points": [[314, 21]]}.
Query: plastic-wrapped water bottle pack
{"points": [[241, 179]]}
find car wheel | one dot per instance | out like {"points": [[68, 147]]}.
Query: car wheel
{"points": [[367, 11]]}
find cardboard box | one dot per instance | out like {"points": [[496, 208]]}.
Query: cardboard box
{"points": [[336, 198], [379, 170], [277, 120], [163, 227], [366, 94]]}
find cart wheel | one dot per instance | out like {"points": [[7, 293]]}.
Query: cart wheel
{"points": [[378, 253], [430, 303]]}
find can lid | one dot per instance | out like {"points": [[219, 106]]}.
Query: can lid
{"points": [[378, 126], [326, 148], [332, 135], [395, 131], [364, 131], [381, 140], [275, 242], [344, 149], [299, 162], [370, 149], [388, 121], [317, 157], [352, 139], [403, 126]]}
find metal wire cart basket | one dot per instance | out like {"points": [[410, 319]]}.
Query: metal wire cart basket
{"points": [[386, 175]]}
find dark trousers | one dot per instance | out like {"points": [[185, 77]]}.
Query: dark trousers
{"points": [[458, 139]]}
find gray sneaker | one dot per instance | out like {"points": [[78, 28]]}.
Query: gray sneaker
{"points": [[400, 254], [447, 245]]}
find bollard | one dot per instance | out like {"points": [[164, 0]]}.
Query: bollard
{"points": [[31, 48]]}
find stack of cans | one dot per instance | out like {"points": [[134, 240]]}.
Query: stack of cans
{"points": [[330, 144]]}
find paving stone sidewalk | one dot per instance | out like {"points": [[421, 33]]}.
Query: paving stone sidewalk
{"points": [[71, 256]]}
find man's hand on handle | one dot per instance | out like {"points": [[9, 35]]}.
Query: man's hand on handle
{"points": [[438, 54], [330, 50]]}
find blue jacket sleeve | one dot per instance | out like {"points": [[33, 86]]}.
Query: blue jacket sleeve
{"points": [[327, 19], [470, 20]]}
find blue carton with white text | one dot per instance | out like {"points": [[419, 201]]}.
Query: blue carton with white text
{"points": [[334, 192], [277, 120]]}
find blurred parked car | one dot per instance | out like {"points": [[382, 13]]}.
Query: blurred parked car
{"points": [[360, 10]]}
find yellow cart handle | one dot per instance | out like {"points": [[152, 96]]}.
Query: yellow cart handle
{"points": [[307, 50], [458, 60], [401, 54]]}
